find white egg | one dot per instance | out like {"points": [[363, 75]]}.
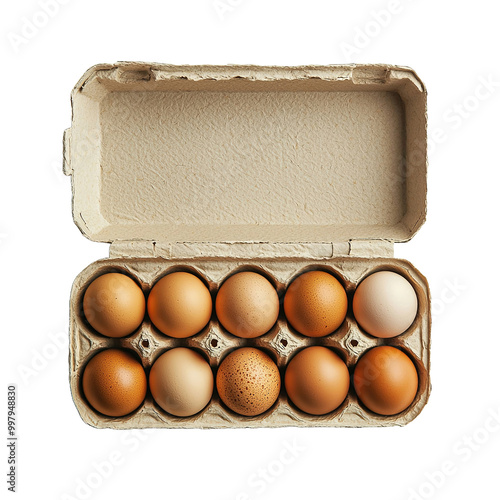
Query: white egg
{"points": [[385, 304]]}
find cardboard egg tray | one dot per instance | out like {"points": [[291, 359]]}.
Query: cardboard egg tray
{"points": [[216, 169], [281, 342]]}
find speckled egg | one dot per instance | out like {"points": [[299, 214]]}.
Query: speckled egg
{"points": [[114, 382], [248, 381], [315, 304], [247, 305]]}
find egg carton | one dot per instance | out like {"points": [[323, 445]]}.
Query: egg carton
{"points": [[282, 342], [217, 169]]}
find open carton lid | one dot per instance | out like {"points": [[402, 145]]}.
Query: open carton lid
{"points": [[169, 154]]}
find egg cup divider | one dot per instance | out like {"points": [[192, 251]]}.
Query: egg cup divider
{"points": [[215, 169]]}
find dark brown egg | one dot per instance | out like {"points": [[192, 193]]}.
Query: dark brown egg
{"points": [[114, 382], [317, 380], [386, 380]]}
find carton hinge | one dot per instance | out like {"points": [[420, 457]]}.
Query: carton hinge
{"points": [[132, 248], [371, 248], [245, 250], [236, 249]]}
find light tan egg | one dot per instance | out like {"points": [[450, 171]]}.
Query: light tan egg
{"points": [[247, 305], [181, 382]]}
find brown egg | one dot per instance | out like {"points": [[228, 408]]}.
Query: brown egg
{"points": [[248, 381], [386, 380], [247, 305], [181, 382], [114, 382], [317, 380], [114, 305], [315, 304], [180, 305]]}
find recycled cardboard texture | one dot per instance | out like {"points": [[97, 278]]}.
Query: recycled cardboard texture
{"points": [[215, 169], [281, 343], [251, 154]]}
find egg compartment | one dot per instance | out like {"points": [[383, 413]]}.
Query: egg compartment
{"points": [[423, 388], [94, 415], [281, 342], [90, 332], [421, 297], [331, 418]]}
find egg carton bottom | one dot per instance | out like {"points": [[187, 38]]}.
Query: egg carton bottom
{"points": [[281, 342]]}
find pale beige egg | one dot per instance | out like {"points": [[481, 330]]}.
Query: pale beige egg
{"points": [[181, 382]]}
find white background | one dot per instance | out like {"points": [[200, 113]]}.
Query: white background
{"points": [[453, 46]]}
